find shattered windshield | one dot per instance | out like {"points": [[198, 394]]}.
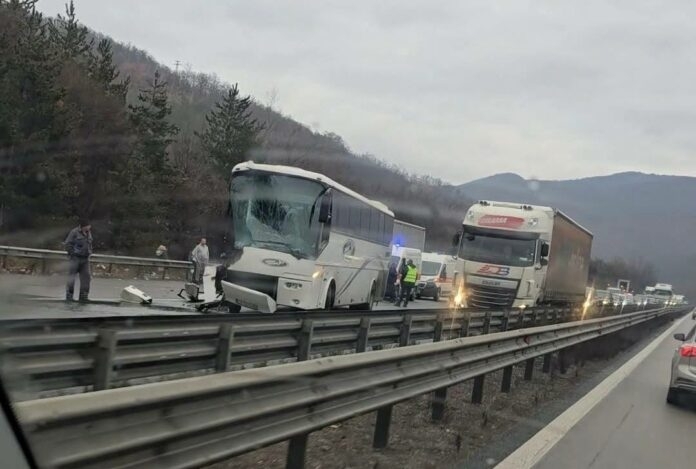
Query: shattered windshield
{"points": [[276, 212]]}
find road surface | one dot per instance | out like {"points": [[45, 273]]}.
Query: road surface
{"points": [[632, 426], [52, 288]]}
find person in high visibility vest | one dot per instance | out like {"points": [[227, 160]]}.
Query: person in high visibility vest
{"points": [[409, 275]]}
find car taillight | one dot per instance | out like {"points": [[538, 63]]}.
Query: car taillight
{"points": [[687, 350]]}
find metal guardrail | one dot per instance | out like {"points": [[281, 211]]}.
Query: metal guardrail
{"points": [[45, 255], [199, 421], [45, 357]]}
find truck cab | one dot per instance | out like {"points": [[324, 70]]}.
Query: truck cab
{"points": [[518, 255]]}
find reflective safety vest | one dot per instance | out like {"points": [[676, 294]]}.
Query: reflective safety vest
{"points": [[411, 273]]}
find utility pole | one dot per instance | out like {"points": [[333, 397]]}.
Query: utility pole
{"points": [[176, 66]]}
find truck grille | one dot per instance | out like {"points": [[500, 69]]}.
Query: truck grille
{"points": [[480, 296], [267, 284]]}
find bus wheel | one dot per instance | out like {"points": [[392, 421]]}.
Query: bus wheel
{"points": [[330, 297]]}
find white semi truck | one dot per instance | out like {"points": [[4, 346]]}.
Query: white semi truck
{"points": [[518, 255]]}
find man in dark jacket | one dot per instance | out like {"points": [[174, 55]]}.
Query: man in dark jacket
{"points": [[78, 244]]}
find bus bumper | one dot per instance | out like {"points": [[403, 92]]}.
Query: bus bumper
{"points": [[248, 298]]}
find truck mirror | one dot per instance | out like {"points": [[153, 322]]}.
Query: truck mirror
{"points": [[456, 239], [325, 208], [545, 250]]}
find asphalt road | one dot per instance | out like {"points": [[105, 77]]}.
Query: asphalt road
{"points": [[632, 426], [14, 288]]}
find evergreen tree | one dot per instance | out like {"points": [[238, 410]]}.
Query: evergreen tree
{"points": [[153, 130], [104, 71], [69, 36], [230, 130]]}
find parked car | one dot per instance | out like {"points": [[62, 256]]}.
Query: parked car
{"points": [[683, 377]]}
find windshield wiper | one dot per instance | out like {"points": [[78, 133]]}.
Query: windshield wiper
{"points": [[289, 249]]}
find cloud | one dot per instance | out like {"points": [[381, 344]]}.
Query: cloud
{"points": [[455, 89]]}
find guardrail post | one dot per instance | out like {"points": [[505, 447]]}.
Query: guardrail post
{"points": [[546, 367], [529, 369], [304, 342], [507, 379], [104, 358], [487, 323], [562, 359], [477, 392], [363, 334], [466, 320], [297, 449], [535, 318], [440, 395], [225, 339], [405, 334], [507, 371], [164, 273], [381, 437]]}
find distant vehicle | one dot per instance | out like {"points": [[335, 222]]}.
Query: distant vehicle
{"points": [[661, 294], [438, 273], [517, 255], [683, 376], [616, 295], [303, 241]]}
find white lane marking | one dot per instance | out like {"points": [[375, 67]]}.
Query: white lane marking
{"points": [[530, 453]]}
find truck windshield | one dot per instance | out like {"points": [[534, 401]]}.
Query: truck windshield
{"points": [[276, 212], [496, 250], [430, 268], [662, 293]]}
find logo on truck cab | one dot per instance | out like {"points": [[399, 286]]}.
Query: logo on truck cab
{"points": [[500, 221], [494, 270]]}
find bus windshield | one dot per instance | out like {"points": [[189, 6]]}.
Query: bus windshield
{"points": [[276, 212], [496, 250]]}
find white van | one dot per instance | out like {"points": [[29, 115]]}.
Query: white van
{"points": [[437, 276]]}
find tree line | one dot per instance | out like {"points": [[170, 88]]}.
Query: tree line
{"points": [[74, 142]]}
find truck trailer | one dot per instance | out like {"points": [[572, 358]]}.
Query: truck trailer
{"points": [[518, 255]]}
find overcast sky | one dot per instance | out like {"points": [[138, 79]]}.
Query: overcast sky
{"points": [[459, 90]]}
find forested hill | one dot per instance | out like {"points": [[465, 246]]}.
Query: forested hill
{"points": [[418, 199], [92, 128]]}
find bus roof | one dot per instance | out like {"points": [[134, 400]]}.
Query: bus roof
{"points": [[298, 172]]}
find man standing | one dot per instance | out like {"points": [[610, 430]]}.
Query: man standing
{"points": [[78, 244], [200, 256], [409, 274]]}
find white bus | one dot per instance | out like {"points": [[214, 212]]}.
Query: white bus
{"points": [[301, 240]]}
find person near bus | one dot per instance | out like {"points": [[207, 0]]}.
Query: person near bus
{"points": [[409, 275], [200, 256], [78, 245], [390, 291]]}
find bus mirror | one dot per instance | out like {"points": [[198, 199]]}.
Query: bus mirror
{"points": [[325, 208], [543, 261], [545, 250]]}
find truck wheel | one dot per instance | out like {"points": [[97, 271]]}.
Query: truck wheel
{"points": [[436, 297]]}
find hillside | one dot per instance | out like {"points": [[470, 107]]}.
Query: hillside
{"points": [[632, 215], [417, 199]]}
